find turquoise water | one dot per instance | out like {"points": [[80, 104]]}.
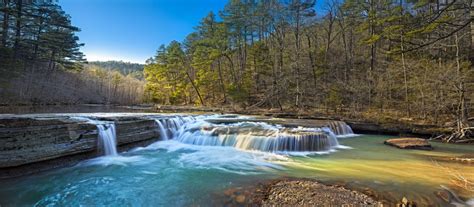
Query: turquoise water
{"points": [[168, 173], [175, 174]]}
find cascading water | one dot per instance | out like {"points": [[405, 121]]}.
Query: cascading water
{"points": [[169, 127], [163, 130], [247, 135], [340, 128], [107, 138], [107, 135]]}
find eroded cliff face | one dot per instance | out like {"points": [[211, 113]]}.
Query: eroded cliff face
{"points": [[30, 144]]}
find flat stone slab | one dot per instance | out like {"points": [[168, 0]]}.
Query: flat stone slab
{"points": [[409, 143]]}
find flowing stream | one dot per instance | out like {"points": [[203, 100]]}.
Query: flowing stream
{"points": [[198, 160], [249, 135], [107, 135]]}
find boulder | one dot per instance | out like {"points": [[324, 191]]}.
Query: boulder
{"points": [[409, 143]]}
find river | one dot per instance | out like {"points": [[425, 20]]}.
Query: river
{"points": [[179, 173]]}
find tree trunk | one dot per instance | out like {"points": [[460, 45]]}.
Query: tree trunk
{"points": [[19, 12], [5, 26], [346, 51], [405, 79], [221, 79], [297, 59], [311, 59], [195, 88], [232, 70], [405, 75], [38, 37], [471, 53], [462, 108], [372, 52]]}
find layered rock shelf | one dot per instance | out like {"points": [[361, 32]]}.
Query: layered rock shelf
{"points": [[34, 143]]}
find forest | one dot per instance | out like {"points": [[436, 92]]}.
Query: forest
{"points": [[410, 60], [125, 68], [378, 60], [41, 61], [237, 103]]}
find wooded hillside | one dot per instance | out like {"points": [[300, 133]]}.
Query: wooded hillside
{"points": [[397, 59], [40, 61], [125, 68]]}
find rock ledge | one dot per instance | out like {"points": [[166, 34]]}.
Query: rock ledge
{"points": [[409, 143]]}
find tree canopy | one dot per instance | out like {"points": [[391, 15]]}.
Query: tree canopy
{"points": [[402, 58]]}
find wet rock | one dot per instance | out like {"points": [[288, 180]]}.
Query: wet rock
{"points": [[409, 143], [288, 192], [406, 203], [469, 159], [34, 143], [229, 192], [240, 199], [444, 196]]}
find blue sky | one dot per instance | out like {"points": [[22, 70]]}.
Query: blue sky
{"points": [[132, 30]]}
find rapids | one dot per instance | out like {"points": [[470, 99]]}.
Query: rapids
{"points": [[250, 135], [198, 160]]}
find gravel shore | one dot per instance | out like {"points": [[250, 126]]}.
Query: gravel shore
{"points": [[288, 192]]}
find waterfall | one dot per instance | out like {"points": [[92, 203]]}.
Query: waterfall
{"points": [[163, 130], [340, 128], [107, 135], [169, 127], [334, 142], [255, 136], [251, 135], [107, 138]]}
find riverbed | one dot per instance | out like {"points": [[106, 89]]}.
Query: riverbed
{"points": [[173, 173]]}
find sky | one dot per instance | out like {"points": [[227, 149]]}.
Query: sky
{"points": [[132, 30]]}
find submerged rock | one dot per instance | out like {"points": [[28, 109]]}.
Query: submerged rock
{"points": [[467, 159], [409, 143], [240, 199]]}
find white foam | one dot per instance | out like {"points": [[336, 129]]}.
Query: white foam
{"points": [[470, 202], [347, 135], [343, 147], [305, 153], [113, 160], [227, 159]]}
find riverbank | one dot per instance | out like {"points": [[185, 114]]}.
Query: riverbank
{"points": [[361, 161], [298, 192], [361, 124]]}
